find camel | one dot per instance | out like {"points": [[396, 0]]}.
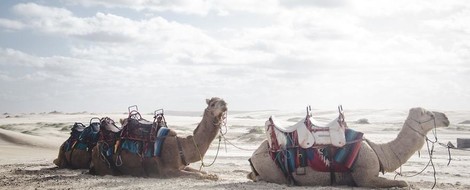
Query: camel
{"points": [[78, 153], [371, 160], [177, 152]]}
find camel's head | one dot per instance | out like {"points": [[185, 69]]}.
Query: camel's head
{"points": [[427, 119], [216, 106]]}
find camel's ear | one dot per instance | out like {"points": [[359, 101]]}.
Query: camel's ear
{"points": [[122, 121], [207, 101]]}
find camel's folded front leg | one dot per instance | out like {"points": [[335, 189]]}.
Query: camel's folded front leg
{"points": [[192, 173], [60, 160], [189, 169], [380, 182]]}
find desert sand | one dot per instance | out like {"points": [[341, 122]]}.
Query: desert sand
{"points": [[30, 142]]}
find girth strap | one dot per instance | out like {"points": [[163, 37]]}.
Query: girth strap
{"points": [[180, 148]]}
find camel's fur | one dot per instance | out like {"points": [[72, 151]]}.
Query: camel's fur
{"points": [[75, 158], [170, 163], [366, 169]]}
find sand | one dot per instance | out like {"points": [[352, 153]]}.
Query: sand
{"points": [[30, 142]]}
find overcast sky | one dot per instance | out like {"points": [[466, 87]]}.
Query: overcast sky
{"points": [[104, 55]]}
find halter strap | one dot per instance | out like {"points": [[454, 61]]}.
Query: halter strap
{"points": [[181, 153]]}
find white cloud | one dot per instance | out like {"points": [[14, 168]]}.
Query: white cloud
{"points": [[387, 56], [35, 10], [11, 24], [191, 7]]}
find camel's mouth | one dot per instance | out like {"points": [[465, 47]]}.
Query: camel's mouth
{"points": [[446, 123], [443, 118]]}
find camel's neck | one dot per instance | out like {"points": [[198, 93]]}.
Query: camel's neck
{"points": [[197, 145], [396, 152]]}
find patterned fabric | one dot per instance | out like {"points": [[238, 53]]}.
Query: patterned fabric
{"points": [[142, 148], [325, 159]]}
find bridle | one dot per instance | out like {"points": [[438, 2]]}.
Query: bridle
{"points": [[433, 118], [216, 123], [429, 147]]}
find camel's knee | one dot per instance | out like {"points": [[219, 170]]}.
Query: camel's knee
{"points": [[252, 176], [58, 162], [379, 182]]}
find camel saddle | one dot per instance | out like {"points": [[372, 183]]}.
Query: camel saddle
{"points": [[89, 136], [109, 132], [139, 129], [77, 129], [143, 137], [305, 133]]}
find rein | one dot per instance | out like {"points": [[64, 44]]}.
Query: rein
{"points": [[219, 124]]}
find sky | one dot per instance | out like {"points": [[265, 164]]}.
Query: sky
{"points": [[105, 55]]}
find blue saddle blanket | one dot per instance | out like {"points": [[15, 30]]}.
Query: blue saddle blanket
{"points": [[154, 149]]}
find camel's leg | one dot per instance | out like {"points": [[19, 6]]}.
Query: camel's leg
{"points": [[366, 171], [189, 169], [379, 182], [196, 174], [267, 169], [59, 161], [99, 164]]}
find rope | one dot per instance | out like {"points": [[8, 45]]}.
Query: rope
{"points": [[227, 141], [202, 157], [224, 123], [430, 148]]}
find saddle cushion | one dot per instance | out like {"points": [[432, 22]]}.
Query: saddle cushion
{"points": [[307, 136]]}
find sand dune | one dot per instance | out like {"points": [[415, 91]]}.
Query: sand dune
{"points": [[30, 142], [20, 139]]}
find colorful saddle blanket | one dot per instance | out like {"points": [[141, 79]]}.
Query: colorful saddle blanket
{"points": [[89, 137], [326, 159], [77, 129], [138, 147]]}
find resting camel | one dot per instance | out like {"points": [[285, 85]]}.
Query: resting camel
{"points": [[372, 158], [172, 162], [78, 153]]}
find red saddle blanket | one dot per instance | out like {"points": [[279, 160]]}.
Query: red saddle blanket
{"points": [[326, 159]]}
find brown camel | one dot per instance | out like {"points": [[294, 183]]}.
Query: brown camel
{"points": [[74, 159], [78, 153], [172, 162], [372, 158]]}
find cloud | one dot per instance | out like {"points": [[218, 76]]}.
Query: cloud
{"points": [[11, 24], [35, 10], [190, 7], [282, 55]]}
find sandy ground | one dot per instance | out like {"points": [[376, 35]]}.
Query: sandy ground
{"points": [[30, 142]]}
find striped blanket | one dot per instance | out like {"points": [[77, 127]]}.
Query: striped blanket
{"points": [[326, 159]]}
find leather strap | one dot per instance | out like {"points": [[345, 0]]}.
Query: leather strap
{"points": [[180, 148]]}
